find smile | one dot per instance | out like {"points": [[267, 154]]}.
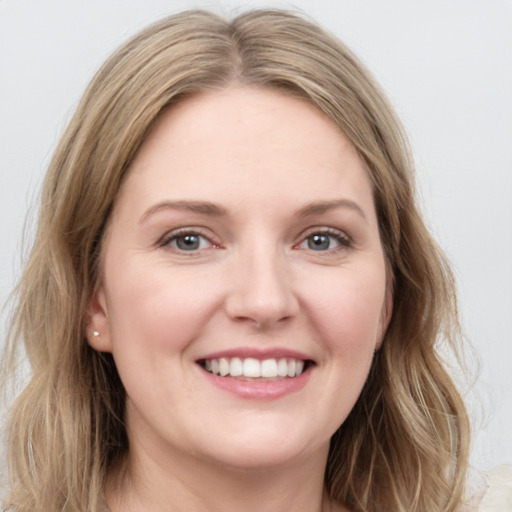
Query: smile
{"points": [[251, 368]]}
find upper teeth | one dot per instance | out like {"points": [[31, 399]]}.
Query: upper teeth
{"points": [[251, 367]]}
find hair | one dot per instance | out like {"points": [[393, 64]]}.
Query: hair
{"points": [[404, 445]]}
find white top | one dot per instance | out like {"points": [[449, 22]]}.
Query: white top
{"points": [[492, 491]]}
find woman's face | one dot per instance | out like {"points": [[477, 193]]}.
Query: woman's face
{"points": [[244, 242]]}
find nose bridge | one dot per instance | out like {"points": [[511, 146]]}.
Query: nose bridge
{"points": [[261, 288]]}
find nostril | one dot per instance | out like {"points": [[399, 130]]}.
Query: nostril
{"points": [[261, 324]]}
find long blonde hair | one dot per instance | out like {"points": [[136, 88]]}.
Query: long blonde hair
{"points": [[404, 446]]}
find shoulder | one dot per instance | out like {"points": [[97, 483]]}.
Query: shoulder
{"points": [[498, 496]]}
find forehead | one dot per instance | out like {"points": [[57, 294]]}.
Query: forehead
{"points": [[257, 143]]}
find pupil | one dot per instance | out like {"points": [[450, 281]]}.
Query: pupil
{"points": [[318, 242], [188, 242]]}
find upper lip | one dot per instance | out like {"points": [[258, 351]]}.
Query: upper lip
{"points": [[257, 353]]}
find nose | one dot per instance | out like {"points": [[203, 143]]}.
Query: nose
{"points": [[261, 291]]}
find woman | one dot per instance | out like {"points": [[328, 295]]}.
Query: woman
{"points": [[232, 301]]}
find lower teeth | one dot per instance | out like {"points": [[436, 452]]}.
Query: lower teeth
{"points": [[253, 379]]}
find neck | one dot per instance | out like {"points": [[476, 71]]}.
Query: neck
{"points": [[142, 483]]}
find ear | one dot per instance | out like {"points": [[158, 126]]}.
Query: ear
{"points": [[97, 324], [385, 318]]}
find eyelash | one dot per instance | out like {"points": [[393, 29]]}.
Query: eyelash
{"points": [[343, 241]]}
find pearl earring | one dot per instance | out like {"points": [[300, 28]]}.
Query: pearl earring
{"points": [[95, 334]]}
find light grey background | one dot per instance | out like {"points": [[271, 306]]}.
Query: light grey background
{"points": [[445, 64]]}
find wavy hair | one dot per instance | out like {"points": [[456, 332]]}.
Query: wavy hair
{"points": [[403, 447]]}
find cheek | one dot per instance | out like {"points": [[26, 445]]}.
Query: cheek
{"points": [[348, 310], [154, 311]]}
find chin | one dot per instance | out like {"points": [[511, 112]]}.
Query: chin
{"points": [[258, 460], [263, 449]]}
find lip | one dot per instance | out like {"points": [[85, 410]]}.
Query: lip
{"points": [[253, 389]]}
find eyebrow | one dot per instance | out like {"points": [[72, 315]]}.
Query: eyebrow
{"points": [[211, 209], [201, 207], [320, 207]]}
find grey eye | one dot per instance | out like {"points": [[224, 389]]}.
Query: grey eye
{"points": [[189, 242], [319, 242]]}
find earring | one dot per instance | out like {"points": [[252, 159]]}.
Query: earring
{"points": [[95, 334]]}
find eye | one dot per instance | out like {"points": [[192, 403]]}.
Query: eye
{"points": [[186, 241], [320, 242], [326, 240]]}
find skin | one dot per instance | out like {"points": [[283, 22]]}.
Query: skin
{"points": [[255, 280]]}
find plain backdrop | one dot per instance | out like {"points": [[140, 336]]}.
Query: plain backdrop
{"points": [[446, 66]]}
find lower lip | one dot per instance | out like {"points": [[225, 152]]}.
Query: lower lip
{"points": [[259, 390]]}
